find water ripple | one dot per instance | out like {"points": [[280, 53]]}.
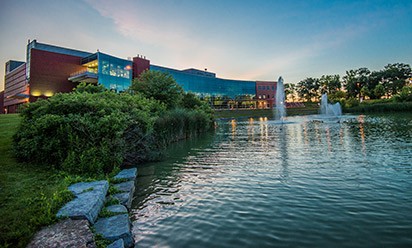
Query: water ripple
{"points": [[257, 184]]}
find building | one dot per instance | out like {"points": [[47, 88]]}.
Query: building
{"points": [[223, 93], [50, 69]]}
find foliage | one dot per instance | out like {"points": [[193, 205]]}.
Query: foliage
{"points": [[191, 101], [395, 76], [381, 107], [180, 123], [308, 89], [379, 91], [359, 84], [329, 84], [354, 80], [405, 95], [81, 132], [290, 91], [89, 88], [160, 86]]}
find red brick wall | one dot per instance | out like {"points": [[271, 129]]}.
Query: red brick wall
{"points": [[49, 73], [2, 102], [14, 84], [266, 93], [140, 65]]}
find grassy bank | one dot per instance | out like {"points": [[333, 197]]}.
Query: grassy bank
{"points": [[380, 107], [29, 194], [311, 108]]}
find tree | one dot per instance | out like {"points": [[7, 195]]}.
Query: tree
{"points": [[308, 88], [395, 76], [379, 91], [290, 91], [354, 80], [160, 86], [191, 101], [329, 84]]}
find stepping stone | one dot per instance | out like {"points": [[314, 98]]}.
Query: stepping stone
{"points": [[114, 228], [117, 209], [78, 188], [124, 198], [125, 186], [90, 198], [129, 174], [116, 244], [66, 233]]}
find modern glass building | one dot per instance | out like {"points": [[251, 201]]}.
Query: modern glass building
{"points": [[111, 72], [206, 84]]}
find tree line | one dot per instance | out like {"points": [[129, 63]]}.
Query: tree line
{"points": [[393, 79]]}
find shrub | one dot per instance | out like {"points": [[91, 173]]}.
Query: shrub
{"points": [[92, 131], [81, 132]]}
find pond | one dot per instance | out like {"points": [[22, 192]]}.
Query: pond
{"points": [[259, 183]]}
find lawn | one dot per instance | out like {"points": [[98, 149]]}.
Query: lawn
{"points": [[29, 194]]}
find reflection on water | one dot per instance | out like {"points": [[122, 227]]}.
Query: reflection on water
{"points": [[257, 182]]}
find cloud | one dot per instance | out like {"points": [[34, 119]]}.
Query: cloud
{"points": [[130, 22]]}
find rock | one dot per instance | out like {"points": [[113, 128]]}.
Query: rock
{"points": [[79, 188], [117, 209], [66, 233], [124, 198], [129, 174], [117, 244], [89, 201], [114, 228], [125, 186]]}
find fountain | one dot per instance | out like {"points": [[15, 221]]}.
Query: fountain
{"points": [[280, 101], [329, 109]]}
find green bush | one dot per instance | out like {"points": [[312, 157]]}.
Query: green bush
{"points": [[81, 132], [179, 124], [405, 95], [92, 131]]}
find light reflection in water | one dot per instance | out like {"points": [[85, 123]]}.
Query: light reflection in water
{"points": [[362, 132], [306, 187], [233, 123], [251, 130]]}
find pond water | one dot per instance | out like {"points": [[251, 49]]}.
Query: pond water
{"points": [[259, 183]]}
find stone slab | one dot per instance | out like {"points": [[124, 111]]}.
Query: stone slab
{"points": [[117, 244], [66, 233], [117, 209], [114, 228], [129, 174], [125, 186], [90, 198], [83, 187], [124, 198]]}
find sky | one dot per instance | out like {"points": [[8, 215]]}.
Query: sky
{"points": [[236, 39]]}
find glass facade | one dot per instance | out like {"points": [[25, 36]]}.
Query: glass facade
{"points": [[205, 86], [114, 73]]}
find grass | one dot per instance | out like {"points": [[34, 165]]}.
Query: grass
{"points": [[30, 195], [381, 107]]}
